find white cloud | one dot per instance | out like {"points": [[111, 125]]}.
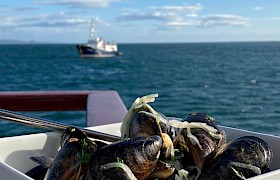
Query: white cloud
{"points": [[138, 16], [257, 8], [14, 11], [192, 15], [275, 18], [212, 21], [79, 3], [60, 16], [186, 15], [185, 8], [42, 21], [188, 22], [224, 20], [162, 13]]}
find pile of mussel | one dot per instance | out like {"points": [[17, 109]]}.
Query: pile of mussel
{"points": [[153, 146]]}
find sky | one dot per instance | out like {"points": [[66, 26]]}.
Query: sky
{"points": [[140, 21]]}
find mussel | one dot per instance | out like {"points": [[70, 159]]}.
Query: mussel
{"points": [[162, 170], [146, 124], [152, 146], [67, 162], [140, 104], [199, 138], [71, 160], [140, 154], [243, 158]]}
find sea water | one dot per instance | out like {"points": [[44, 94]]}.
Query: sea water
{"points": [[238, 84]]}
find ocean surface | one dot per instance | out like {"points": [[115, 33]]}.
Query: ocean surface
{"points": [[238, 84]]}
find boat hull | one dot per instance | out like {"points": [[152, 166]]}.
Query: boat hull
{"points": [[87, 51]]}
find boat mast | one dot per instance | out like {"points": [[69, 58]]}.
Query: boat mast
{"points": [[92, 35]]}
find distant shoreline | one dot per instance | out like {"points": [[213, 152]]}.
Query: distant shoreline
{"points": [[12, 41], [15, 42]]}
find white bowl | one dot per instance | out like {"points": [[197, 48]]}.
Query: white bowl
{"points": [[15, 151]]}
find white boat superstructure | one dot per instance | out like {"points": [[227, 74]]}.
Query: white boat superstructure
{"points": [[101, 44], [97, 46]]}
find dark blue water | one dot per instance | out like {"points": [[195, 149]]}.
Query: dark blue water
{"points": [[236, 83]]}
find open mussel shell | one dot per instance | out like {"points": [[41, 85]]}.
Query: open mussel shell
{"points": [[139, 154], [243, 158], [205, 150]]}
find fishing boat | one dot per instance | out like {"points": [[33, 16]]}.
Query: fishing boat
{"points": [[15, 151], [97, 47]]}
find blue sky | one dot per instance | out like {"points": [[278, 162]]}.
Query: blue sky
{"points": [[141, 21]]}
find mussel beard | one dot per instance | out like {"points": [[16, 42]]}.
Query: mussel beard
{"points": [[139, 154]]}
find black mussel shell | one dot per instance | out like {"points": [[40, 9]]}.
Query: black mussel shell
{"points": [[144, 124], [197, 156], [38, 172], [117, 173], [203, 118], [162, 170], [139, 154], [71, 132], [66, 163], [244, 157]]}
